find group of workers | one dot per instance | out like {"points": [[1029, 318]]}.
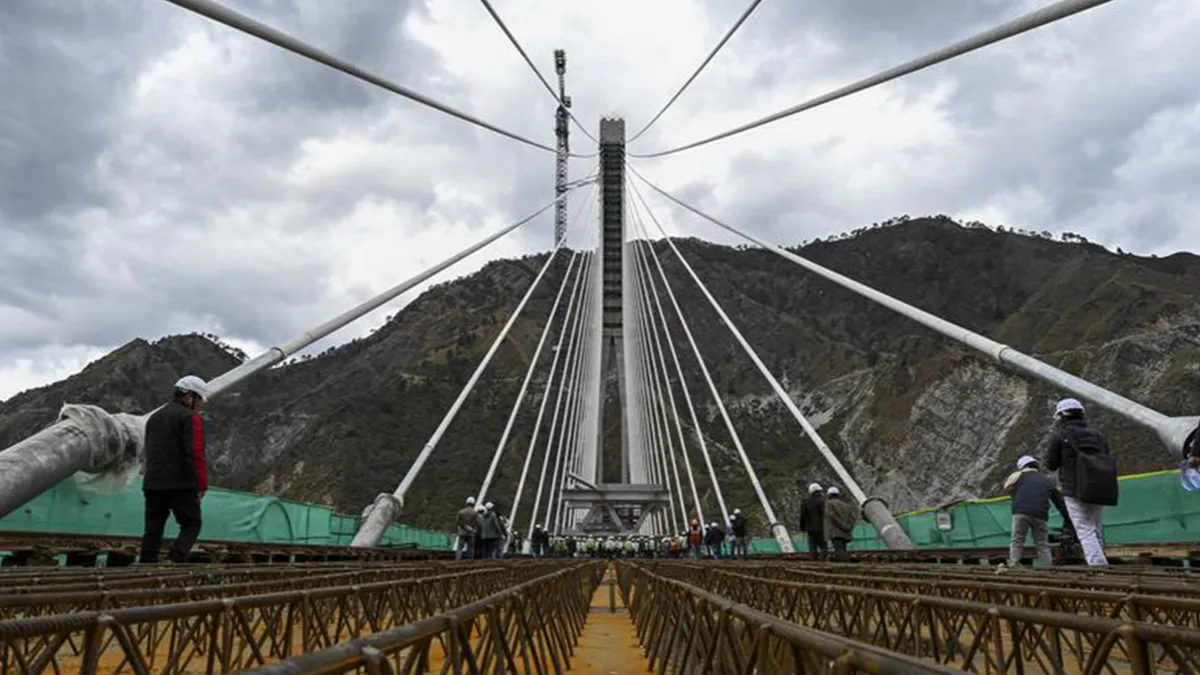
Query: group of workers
{"points": [[176, 479]]}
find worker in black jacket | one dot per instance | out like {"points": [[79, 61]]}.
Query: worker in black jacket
{"points": [[1071, 437], [812, 521], [176, 472]]}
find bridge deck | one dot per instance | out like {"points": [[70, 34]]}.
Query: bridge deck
{"points": [[598, 617]]}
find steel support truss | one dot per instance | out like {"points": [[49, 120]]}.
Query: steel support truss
{"points": [[1029, 631]]}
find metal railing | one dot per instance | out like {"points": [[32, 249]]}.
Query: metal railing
{"points": [[229, 633], [968, 635], [530, 628], [685, 628]]}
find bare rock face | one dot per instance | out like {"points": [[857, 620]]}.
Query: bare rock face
{"points": [[917, 419]]}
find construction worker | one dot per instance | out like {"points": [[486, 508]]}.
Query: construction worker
{"points": [[812, 521], [467, 522], [715, 540], [176, 470], [738, 532], [492, 531], [1086, 474], [840, 518], [1032, 491]]}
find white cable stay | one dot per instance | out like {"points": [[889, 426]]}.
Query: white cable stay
{"points": [[563, 461], [699, 69], [570, 383], [653, 446], [784, 396], [571, 331], [1022, 24], [243, 23], [644, 280], [661, 452], [381, 514], [1173, 431], [68, 446], [569, 449], [662, 320], [873, 510], [512, 513], [777, 528], [533, 361], [536, 71], [537, 425], [657, 411]]}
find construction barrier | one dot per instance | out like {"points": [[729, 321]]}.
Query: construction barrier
{"points": [[1154, 509], [71, 508]]}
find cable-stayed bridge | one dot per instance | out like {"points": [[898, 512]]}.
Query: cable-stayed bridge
{"points": [[616, 455]]}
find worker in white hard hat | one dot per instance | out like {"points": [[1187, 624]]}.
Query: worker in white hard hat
{"points": [[491, 532], [738, 532], [841, 515], [1032, 492], [176, 470], [1087, 475], [715, 540], [466, 521], [812, 521]]}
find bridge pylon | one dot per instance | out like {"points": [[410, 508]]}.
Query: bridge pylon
{"points": [[614, 504]]}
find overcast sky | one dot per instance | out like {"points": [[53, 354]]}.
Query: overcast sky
{"points": [[161, 174]]}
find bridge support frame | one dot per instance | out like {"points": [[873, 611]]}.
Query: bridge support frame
{"points": [[608, 500]]}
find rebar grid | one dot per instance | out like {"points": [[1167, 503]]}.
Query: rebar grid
{"points": [[43, 544], [530, 628], [55, 601], [224, 634], [183, 578], [971, 636], [1132, 580], [684, 628], [1179, 605]]}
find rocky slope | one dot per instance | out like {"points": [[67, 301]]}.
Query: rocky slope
{"points": [[916, 418]]}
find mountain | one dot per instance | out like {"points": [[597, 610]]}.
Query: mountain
{"points": [[918, 419]]}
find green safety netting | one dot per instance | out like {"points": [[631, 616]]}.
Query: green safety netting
{"points": [[1154, 509], [71, 508]]}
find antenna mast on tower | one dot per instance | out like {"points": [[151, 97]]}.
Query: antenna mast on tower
{"points": [[562, 133]]}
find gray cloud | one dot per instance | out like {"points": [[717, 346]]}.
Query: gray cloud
{"points": [[161, 173], [1046, 117]]}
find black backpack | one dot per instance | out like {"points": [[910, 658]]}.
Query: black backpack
{"points": [[1095, 470]]}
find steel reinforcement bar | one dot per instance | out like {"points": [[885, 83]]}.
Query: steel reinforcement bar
{"points": [[971, 636], [28, 605], [529, 628], [1123, 582], [1174, 605], [684, 628], [225, 634], [210, 576], [27, 548]]}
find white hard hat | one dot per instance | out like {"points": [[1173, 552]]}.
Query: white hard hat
{"points": [[714, 524], [1067, 404], [470, 500], [192, 384], [480, 509], [814, 488], [489, 506], [736, 511], [833, 491], [1025, 461]]}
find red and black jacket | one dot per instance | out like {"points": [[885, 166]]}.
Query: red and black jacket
{"points": [[175, 450]]}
